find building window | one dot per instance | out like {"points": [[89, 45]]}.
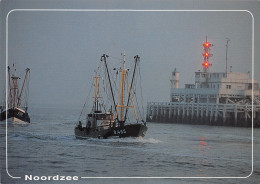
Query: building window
{"points": [[228, 86]]}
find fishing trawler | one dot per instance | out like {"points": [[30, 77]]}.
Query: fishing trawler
{"points": [[101, 123], [16, 106]]}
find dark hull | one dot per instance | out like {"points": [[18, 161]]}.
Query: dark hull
{"points": [[132, 130], [17, 115]]}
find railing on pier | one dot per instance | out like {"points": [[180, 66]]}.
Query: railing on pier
{"points": [[204, 113]]}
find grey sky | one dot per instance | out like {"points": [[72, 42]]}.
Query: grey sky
{"points": [[62, 48]]}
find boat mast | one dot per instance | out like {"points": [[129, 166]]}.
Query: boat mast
{"points": [[96, 92], [123, 89], [137, 58], [15, 96], [14, 87], [10, 97], [104, 58]]}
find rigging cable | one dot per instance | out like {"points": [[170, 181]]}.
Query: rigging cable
{"points": [[137, 101], [141, 114], [26, 91], [141, 91], [113, 83], [86, 101]]}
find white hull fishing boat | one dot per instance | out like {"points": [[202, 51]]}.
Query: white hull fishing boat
{"points": [[17, 103]]}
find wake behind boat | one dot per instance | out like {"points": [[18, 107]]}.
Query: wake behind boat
{"points": [[17, 102], [102, 123]]}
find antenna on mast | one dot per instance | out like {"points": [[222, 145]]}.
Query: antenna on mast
{"points": [[124, 60], [227, 53]]}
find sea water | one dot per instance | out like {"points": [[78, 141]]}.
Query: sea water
{"points": [[47, 147]]}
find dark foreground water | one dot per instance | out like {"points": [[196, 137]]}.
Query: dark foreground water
{"points": [[47, 147]]}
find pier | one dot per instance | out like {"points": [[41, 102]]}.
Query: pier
{"points": [[216, 98], [204, 113]]}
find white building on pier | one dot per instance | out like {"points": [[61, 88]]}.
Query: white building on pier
{"points": [[216, 98]]}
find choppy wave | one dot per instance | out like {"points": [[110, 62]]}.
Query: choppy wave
{"points": [[61, 137], [128, 140], [149, 140]]}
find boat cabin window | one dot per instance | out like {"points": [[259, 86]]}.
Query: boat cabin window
{"points": [[101, 116], [109, 117]]}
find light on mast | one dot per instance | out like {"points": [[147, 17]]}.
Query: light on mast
{"points": [[206, 64]]}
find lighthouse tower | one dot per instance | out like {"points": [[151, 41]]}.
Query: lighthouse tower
{"points": [[206, 55], [175, 79]]}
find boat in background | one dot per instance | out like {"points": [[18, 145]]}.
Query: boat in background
{"points": [[113, 123], [16, 106]]}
